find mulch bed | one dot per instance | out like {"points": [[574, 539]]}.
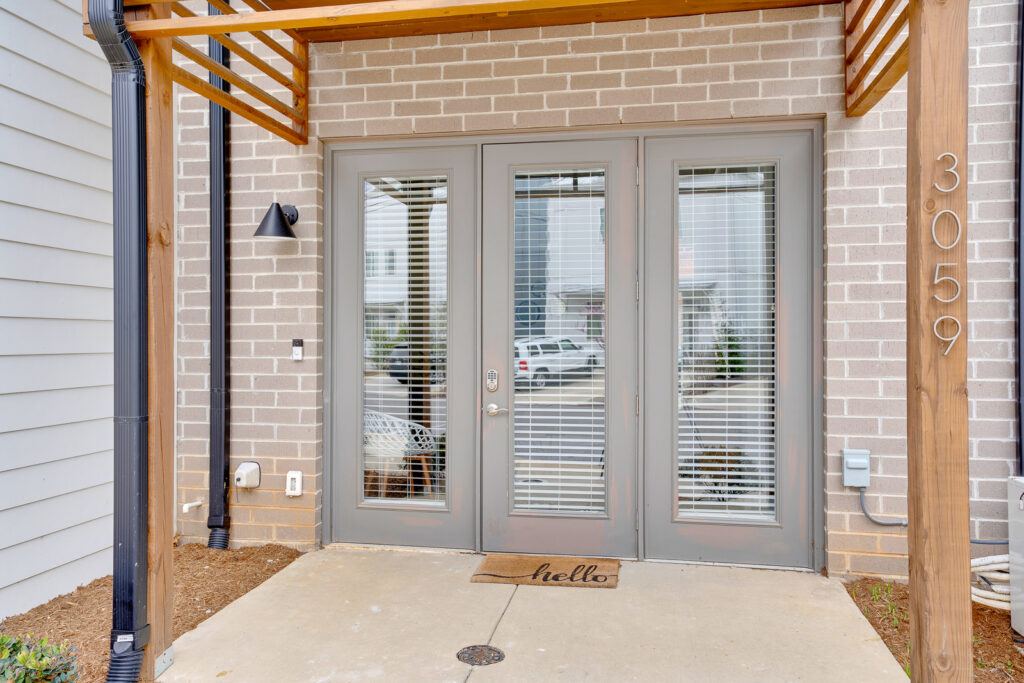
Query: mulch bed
{"points": [[205, 581], [886, 605]]}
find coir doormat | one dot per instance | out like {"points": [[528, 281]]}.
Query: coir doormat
{"points": [[533, 570]]}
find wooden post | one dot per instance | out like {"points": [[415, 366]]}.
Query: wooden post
{"points": [[300, 99], [156, 56], [940, 604]]}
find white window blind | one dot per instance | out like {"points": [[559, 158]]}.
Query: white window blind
{"points": [[405, 297], [726, 342], [559, 310]]}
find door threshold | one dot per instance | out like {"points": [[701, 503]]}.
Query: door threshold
{"points": [[342, 545], [377, 547], [738, 565]]}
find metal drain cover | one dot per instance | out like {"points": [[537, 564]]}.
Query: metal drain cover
{"points": [[480, 655]]}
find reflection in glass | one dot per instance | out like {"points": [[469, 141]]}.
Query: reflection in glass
{"points": [[726, 342], [558, 356], [405, 322]]}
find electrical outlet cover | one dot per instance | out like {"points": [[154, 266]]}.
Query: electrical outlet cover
{"points": [[856, 467]]}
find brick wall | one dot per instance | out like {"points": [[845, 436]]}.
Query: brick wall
{"points": [[751, 64]]}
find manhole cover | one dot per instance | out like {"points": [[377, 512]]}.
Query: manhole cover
{"points": [[480, 655]]}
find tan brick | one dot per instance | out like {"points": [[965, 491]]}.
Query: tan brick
{"points": [[590, 45], [519, 102], [681, 57], [440, 89], [389, 58], [491, 86], [437, 124], [435, 55], [418, 107], [593, 117], [466, 105], [625, 96], [570, 100], [626, 60], [540, 119], [519, 67], [652, 41], [497, 121], [595, 81], [470, 70], [648, 113], [365, 76], [633, 79], [533, 84], [544, 49], [681, 93], [560, 65]]}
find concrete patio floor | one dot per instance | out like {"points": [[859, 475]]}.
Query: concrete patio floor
{"points": [[364, 614]]}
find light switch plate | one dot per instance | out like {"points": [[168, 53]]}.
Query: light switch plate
{"points": [[856, 467], [293, 484]]}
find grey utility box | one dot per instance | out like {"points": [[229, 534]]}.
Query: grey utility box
{"points": [[1015, 503]]}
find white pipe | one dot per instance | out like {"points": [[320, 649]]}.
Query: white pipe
{"points": [[991, 559], [982, 593], [991, 587], [992, 603]]}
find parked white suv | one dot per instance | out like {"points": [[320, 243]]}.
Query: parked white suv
{"points": [[539, 361]]}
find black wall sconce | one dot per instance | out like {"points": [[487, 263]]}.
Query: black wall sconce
{"points": [[277, 223]]}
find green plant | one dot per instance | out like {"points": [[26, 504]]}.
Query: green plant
{"points": [[729, 360], [382, 343], [23, 660]]}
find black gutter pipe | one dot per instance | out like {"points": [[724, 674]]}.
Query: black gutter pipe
{"points": [[218, 521], [1020, 235], [130, 627]]}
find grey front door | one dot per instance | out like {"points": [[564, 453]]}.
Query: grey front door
{"points": [[729, 347], [559, 358], [403, 236]]}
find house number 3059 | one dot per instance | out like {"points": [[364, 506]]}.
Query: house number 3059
{"points": [[947, 231]]}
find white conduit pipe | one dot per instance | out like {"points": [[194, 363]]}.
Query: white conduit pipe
{"points": [[990, 584]]}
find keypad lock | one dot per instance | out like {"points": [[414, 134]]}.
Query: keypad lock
{"points": [[492, 380]]}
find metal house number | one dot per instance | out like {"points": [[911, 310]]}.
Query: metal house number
{"points": [[951, 219]]}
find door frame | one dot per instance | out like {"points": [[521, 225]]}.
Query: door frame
{"points": [[814, 124]]}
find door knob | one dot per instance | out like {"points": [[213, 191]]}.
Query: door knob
{"points": [[492, 409]]}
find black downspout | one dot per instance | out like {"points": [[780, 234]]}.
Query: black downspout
{"points": [[218, 521], [1020, 234], [130, 628]]}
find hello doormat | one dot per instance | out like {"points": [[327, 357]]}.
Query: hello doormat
{"points": [[533, 570]]}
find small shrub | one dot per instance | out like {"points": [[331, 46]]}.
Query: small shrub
{"points": [[23, 660]]}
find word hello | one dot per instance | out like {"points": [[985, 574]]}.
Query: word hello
{"points": [[581, 573]]}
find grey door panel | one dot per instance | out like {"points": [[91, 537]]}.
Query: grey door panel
{"points": [[729, 347], [559, 261], [404, 338]]}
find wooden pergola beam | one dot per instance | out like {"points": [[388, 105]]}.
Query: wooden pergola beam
{"points": [[937, 421], [864, 100], [260, 6], [235, 105], [865, 49], [858, 69], [200, 58], [860, 35], [224, 6], [382, 12], [235, 48]]}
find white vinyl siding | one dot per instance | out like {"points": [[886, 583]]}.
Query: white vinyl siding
{"points": [[56, 305]]}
